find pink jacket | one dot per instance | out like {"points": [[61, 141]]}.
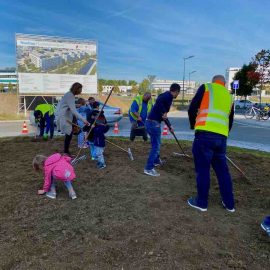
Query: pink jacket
{"points": [[59, 167]]}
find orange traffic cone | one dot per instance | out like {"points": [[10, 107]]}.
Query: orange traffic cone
{"points": [[116, 129], [165, 131], [24, 130]]}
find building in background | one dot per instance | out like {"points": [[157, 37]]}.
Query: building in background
{"points": [[164, 85], [230, 72], [8, 79]]}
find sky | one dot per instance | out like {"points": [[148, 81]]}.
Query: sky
{"points": [[146, 37]]}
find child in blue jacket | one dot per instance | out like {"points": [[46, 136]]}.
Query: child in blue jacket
{"points": [[100, 129]]}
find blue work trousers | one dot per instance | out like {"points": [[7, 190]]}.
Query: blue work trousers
{"points": [[210, 149]]}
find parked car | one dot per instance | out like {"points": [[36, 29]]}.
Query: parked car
{"points": [[112, 114], [242, 104]]}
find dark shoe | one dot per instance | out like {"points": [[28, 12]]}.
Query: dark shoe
{"points": [[227, 208], [193, 203]]}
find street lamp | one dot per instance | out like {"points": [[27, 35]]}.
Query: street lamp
{"points": [[185, 58], [189, 76]]}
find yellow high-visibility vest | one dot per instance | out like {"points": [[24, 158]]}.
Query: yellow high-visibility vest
{"points": [[214, 110], [139, 100], [44, 108]]}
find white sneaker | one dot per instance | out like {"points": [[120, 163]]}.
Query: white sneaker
{"points": [[228, 209], [51, 195], [73, 196], [152, 172]]}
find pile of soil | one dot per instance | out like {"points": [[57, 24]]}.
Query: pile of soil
{"points": [[124, 219]]}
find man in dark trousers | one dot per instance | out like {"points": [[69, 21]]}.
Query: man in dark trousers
{"points": [[211, 115], [153, 126]]}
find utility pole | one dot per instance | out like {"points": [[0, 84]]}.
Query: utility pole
{"points": [[185, 58]]}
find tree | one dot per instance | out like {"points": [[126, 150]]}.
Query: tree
{"points": [[116, 89], [248, 78], [10, 87], [144, 86], [134, 90], [132, 82], [159, 91], [262, 63], [100, 88], [2, 87]]}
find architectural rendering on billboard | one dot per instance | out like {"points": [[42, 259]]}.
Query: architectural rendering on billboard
{"points": [[50, 65]]}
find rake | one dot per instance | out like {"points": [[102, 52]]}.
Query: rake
{"points": [[127, 151]]}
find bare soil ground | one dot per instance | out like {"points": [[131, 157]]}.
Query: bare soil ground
{"points": [[124, 219]]}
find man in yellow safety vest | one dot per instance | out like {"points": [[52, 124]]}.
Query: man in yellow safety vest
{"points": [[44, 114], [211, 115], [139, 109]]}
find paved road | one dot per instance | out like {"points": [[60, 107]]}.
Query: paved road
{"points": [[246, 133]]}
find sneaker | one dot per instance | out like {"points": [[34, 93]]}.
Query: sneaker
{"points": [[228, 209], [51, 195], [266, 228], [159, 163], [152, 172], [102, 166], [193, 203], [73, 196]]}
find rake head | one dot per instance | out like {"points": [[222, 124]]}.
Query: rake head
{"points": [[76, 160], [130, 154]]}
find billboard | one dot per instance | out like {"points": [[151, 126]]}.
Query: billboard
{"points": [[50, 65]]}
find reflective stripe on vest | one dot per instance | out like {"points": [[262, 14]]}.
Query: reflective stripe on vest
{"points": [[139, 100], [214, 110]]}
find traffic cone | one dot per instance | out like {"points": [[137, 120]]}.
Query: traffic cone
{"points": [[165, 131], [116, 129], [24, 130]]}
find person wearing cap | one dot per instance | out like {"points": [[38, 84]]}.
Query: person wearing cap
{"points": [[153, 126], [140, 107], [211, 115], [44, 115]]}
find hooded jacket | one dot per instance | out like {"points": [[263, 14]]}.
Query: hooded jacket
{"points": [[59, 167]]}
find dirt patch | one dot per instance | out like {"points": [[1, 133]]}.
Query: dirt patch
{"points": [[124, 219]]}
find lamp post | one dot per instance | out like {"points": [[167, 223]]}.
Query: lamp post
{"points": [[185, 58], [189, 77]]}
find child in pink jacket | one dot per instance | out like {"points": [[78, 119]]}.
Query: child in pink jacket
{"points": [[55, 167]]}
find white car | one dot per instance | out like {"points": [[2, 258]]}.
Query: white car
{"points": [[242, 104]]}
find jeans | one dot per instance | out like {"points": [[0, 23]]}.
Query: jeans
{"points": [[92, 150], [99, 155], [210, 149], [154, 130], [67, 184]]}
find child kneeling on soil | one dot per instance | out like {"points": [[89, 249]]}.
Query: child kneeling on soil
{"points": [[55, 167]]}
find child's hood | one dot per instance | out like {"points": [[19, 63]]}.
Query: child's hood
{"points": [[52, 159]]}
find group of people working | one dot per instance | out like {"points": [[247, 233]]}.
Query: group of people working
{"points": [[210, 115]]}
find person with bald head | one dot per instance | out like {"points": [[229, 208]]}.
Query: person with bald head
{"points": [[139, 109], [211, 115]]}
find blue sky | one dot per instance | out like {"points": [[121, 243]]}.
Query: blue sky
{"points": [[142, 37]]}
